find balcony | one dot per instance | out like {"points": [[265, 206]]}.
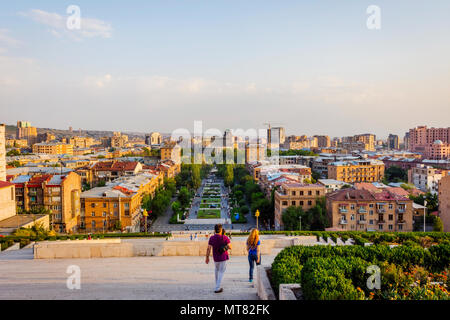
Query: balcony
{"points": [[381, 210], [401, 210], [362, 210], [381, 221], [343, 210], [401, 221], [343, 221], [362, 221]]}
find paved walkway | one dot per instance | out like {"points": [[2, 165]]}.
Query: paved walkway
{"points": [[166, 278]]}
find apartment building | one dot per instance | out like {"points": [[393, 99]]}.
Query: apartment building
{"points": [[58, 193], [297, 195], [7, 192], [118, 204], [46, 137], [52, 148], [444, 202], [393, 142], [171, 151], [358, 142], [323, 141], [81, 142], [270, 177], [154, 138], [17, 143], [363, 210], [433, 143], [110, 170], [356, 171], [426, 178], [26, 131]]}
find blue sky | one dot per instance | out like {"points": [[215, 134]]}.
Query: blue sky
{"points": [[313, 66]]}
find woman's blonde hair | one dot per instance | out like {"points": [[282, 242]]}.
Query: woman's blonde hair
{"points": [[253, 238]]}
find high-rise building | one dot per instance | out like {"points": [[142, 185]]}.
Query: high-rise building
{"points": [[26, 131], [433, 143], [393, 142], [276, 135], [323, 141]]}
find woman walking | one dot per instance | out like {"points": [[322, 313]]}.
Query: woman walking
{"points": [[254, 252]]}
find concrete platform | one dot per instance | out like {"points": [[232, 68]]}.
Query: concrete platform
{"points": [[139, 278]]}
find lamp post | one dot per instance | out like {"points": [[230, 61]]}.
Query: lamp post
{"points": [[300, 218], [424, 214], [257, 215]]}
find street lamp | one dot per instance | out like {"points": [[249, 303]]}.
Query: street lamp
{"points": [[424, 214]]}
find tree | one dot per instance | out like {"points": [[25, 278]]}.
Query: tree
{"points": [[184, 197], [13, 153], [438, 226], [196, 178], [291, 218], [432, 201], [395, 174], [229, 175]]}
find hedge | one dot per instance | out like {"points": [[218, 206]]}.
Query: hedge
{"points": [[289, 264]]}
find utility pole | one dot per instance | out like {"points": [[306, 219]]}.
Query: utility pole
{"points": [[300, 218]]}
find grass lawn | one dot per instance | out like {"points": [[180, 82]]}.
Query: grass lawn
{"points": [[208, 214], [206, 205], [210, 200]]}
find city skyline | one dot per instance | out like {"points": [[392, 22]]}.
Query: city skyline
{"points": [[172, 62]]}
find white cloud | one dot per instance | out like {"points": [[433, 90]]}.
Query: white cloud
{"points": [[7, 40], [89, 28]]}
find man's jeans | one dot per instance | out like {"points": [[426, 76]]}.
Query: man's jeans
{"points": [[219, 272], [252, 258]]}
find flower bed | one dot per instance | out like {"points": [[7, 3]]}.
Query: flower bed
{"points": [[326, 272]]}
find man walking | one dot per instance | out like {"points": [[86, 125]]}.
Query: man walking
{"points": [[219, 244]]}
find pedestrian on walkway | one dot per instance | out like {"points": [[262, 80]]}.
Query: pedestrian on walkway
{"points": [[254, 251], [219, 244]]}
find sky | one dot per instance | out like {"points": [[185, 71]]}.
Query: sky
{"points": [[313, 67]]}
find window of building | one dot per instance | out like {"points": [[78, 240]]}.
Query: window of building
{"points": [[310, 193], [104, 214], [93, 223], [371, 212], [317, 192], [104, 204], [371, 205], [380, 227], [92, 205], [352, 207], [390, 227], [301, 193], [301, 203], [391, 217], [352, 217], [284, 203], [400, 227], [293, 203], [293, 193], [93, 214], [310, 203], [370, 221], [390, 206]]}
